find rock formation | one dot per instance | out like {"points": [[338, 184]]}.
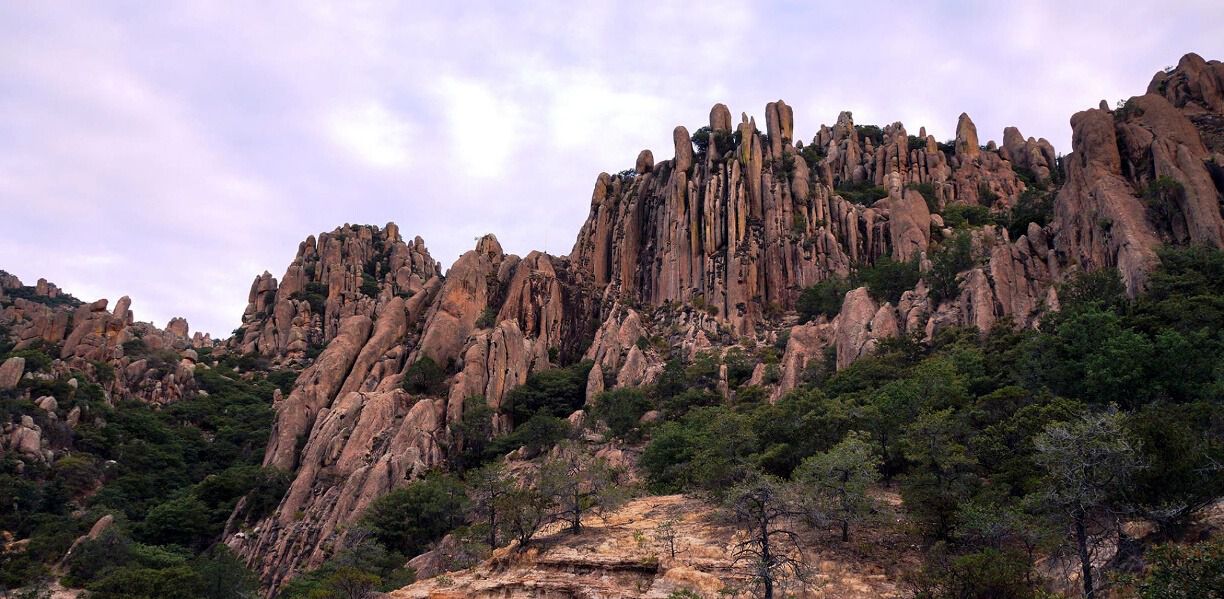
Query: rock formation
{"points": [[701, 252]]}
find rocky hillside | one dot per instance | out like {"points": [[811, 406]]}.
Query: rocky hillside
{"points": [[709, 249], [624, 555], [724, 249]]}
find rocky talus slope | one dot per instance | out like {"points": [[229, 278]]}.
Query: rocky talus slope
{"points": [[701, 252]]}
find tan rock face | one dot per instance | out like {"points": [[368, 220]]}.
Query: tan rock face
{"points": [[697, 252], [351, 270], [11, 371], [967, 146]]}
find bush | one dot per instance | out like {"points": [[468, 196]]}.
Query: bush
{"points": [[537, 434], [959, 216], [553, 392], [949, 261], [408, 519], [1185, 571], [887, 279], [863, 193], [487, 319], [986, 195], [872, 132], [424, 377], [369, 285], [822, 299], [621, 409], [1032, 207]]}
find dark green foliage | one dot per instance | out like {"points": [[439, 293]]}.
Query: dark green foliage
{"points": [[950, 260], [988, 573], [362, 569], [35, 360], [872, 132], [1098, 289], [487, 319], [812, 154], [887, 279], [537, 434], [621, 409], [822, 299], [30, 293], [554, 392], [960, 216], [178, 473], [914, 142], [473, 433], [314, 294], [369, 285], [1030, 179], [701, 140], [1034, 206], [986, 195], [408, 519], [424, 377], [863, 193], [1185, 571], [1163, 198]]}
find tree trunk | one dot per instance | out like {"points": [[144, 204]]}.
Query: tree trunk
{"points": [[766, 559], [1081, 543], [845, 530]]}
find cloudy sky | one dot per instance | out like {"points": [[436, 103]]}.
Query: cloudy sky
{"points": [[171, 151]]}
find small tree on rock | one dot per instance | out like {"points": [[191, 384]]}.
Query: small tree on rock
{"points": [[834, 483], [764, 509], [578, 483], [1088, 462]]}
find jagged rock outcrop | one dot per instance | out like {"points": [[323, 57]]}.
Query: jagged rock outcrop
{"points": [[351, 270], [151, 364], [704, 251], [1142, 175]]}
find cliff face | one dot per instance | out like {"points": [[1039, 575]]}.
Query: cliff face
{"points": [[701, 252]]}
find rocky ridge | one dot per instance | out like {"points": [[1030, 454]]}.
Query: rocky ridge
{"points": [[701, 252], [704, 252]]}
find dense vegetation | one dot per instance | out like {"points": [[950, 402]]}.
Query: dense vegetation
{"points": [[169, 477], [989, 437]]}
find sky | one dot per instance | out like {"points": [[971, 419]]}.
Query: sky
{"points": [[172, 151]]}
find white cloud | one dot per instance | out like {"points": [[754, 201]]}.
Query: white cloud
{"points": [[174, 152], [373, 134], [481, 126]]}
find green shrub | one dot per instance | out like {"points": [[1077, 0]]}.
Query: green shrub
{"points": [[35, 360], [872, 132], [553, 392], [487, 319], [1032, 207], [408, 519], [824, 298], [959, 216], [986, 195], [953, 258], [1185, 571], [424, 377], [887, 279], [621, 409], [539, 433], [369, 285], [863, 193]]}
